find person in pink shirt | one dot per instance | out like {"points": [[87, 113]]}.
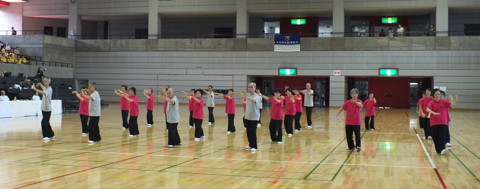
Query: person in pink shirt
{"points": [[422, 108], [276, 116], [298, 108], [198, 114], [134, 110], [124, 105], [290, 111], [83, 109], [353, 107], [190, 106], [150, 105], [438, 109], [229, 109], [452, 99], [369, 105], [165, 103]]}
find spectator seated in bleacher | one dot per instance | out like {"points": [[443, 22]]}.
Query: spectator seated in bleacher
{"points": [[3, 96]]}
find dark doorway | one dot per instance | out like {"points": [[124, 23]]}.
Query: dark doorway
{"points": [[48, 30], [141, 33], [61, 32], [472, 29], [223, 33]]}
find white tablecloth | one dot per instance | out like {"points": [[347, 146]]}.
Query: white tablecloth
{"points": [[22, 108]]}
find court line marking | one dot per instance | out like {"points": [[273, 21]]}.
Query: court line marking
{"points": [[465, 146], [346, 159], [473, 174], [430, 159], [306, 176]]}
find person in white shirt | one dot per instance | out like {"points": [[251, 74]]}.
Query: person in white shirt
{"points": [[400, 30], [3, 96], [46, 107], [210, 104], [308, 103], [94, 111], [36, 97]]}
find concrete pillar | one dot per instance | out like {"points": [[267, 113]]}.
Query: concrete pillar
{"points": [[337, 91], [338, 18], [442, 18], [74, 21], [242, 19], [154, 22]]}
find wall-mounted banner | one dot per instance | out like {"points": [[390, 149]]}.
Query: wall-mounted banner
{"points": [[287, 43]]}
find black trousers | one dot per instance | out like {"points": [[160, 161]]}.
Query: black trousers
{"points": [[133, 123], [94, 130], [448, 134], [426, 126], [149, 117], [276, 130], [439, 135], [420, 120], [198, 128], [252, 133], [211, 119], [369, 122], [46, 127], [244, 122], [298, 115], [289, 123], [190, 120], [231, 125], [173, 137], [350, 130], [309, 115], [84, 121], [260, 119], [125, 119]]}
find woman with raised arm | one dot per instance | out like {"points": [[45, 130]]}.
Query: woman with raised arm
{"points": [[369, 105], [198, 114], [298, 108], [124, 105], [190, 105], [150, 105], [252, 115], [276, 116], [46, 107], [308, 102], [94, 111], [438, 109], [134, 110], [353, 107], [210, 104], [261, 107], [290, 111], [229, 109], [422, 107], [173, 117], [83, 108]]}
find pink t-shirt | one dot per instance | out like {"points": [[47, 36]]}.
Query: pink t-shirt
{"points": [[229, 105], [298, 103], [424, 102], [290, 107], [244, 105], [165, 107], [198, 109], [191, 102], [134, 105], [353, 112], [124, 104], [83, 108], [277, 109], [150, 102], [369, 107], [441, 107]]}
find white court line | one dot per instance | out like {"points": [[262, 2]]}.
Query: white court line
{"points": [[425, 150], [219, 158]]}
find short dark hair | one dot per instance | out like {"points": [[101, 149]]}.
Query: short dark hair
{"points": [[125, 87], [199, 90], [231, 90], [288, 89], [210, 86], [134, 90]]}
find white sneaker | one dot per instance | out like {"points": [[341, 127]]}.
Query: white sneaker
{"points": [[248, 147], [209, 123], [259, 125], [46, 139], [296, 130], [52, 138], [228, 132], [443, 152], [309, 126], [91, 141], [202, 137], [197, 139], [279, 142], [166, 130], [123, 129], [289, 135], [191, 127], [84, 134], [253, 149], [170, 146], [429, 138], [448, 144], [149, 125]]}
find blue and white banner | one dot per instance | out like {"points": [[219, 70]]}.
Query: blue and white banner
{"points": [[287, 43]]}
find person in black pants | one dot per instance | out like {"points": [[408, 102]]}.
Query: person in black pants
{"points": [[308, 103], [276, 116], [94, 109], [83, 109], [173, 117], [438, 110], [46, 107], [210, 104], [124, 105], [353, 120]]}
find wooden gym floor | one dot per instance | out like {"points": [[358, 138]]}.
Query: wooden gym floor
{"points": [[392, 156]]}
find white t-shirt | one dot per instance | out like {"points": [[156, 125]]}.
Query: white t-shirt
{"points": [[211, 99], [47, 99], [36, 97], [4, 98], [308, 99], [94, 106]]}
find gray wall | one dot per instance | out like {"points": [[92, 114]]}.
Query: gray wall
{"points": [[452, 61], [31, 70]]}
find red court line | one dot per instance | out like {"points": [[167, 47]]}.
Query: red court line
{"points": [[84, 170]]}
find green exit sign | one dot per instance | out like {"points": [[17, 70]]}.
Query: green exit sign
{"points": [[389, 20], [298, 21], [388, 72], [287, 71]]}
